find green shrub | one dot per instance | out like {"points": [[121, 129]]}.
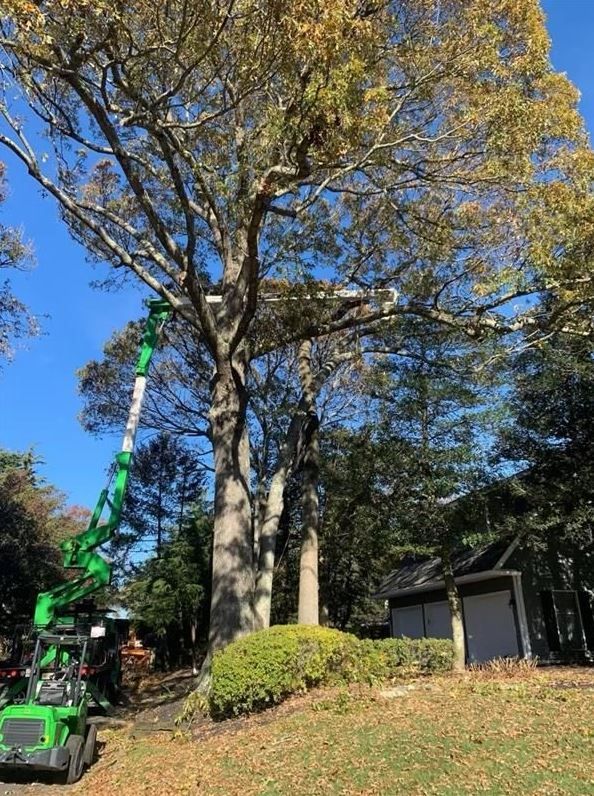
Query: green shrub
{"points": [[398, 657], [370, 663], [422, 655], [264, 668]]}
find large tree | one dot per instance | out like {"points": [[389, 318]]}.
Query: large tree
{"points": [[288, 387], [417, 145]]}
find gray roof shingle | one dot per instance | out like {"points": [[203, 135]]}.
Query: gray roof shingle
{"points": [[415, 571]]}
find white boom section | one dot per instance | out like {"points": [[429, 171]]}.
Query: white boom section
{"points": [[389, 295], [134, 414]]}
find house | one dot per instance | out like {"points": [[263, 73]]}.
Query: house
{"points": [[519, 598]]}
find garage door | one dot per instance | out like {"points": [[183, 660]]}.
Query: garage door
{"points": [[490, 626], [408, 622], [437, 620]]}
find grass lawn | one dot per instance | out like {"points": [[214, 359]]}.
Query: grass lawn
{"points": [[478, 733]]}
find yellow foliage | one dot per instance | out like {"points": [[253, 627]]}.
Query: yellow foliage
{"points": [[448, 109]]}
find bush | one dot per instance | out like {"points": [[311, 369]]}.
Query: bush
{"points": [[398, 657], [423, 655], [264, 668]]}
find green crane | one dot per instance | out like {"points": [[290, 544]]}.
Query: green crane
{"points": [[48, 730]]}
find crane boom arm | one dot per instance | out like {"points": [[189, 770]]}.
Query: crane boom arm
{"points": [[79, 551]]}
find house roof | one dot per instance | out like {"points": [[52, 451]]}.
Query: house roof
{"points": [[416, 572]]}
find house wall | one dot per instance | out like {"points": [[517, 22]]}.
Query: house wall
{"points": [[533, 582], [466, 590], [554, 569]]}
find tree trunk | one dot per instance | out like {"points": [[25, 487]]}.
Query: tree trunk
{"points": [[455, 604], [268, 533], [269, 526], [308, 609], [193, 641], [231, 611], [275, 501], [259, 514]]}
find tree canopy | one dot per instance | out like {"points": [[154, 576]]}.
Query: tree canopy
{"points": [[417, 145], [165, 483], [548, 443]]}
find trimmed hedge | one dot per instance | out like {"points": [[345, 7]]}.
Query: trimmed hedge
{"points": [[266, 667]]}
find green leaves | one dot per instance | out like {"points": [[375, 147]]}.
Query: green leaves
{"points": [[167, 594], [549, 437], [431, 142]]}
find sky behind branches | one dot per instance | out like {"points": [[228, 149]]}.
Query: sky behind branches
{"points": [[39, 403]]}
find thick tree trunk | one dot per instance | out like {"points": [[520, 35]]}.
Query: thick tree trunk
{"points": [[231, 611], [308, 608], [455, 604]]}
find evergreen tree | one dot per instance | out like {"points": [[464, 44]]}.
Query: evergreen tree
{"points": [[435, 414], [168, 594], [358, 536], [166, 481], [550, 444]]}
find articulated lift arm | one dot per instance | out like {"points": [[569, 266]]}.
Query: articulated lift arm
{"points": [[79, 552]]}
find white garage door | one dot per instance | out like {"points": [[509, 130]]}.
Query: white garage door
{"points": [[437, 620], [490, 626], [408, 622]]}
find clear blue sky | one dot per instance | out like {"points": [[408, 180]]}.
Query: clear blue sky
{"points": [[38, 399]]}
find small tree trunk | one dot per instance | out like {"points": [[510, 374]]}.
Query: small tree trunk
{"points": [[275, 500], [308, 609], [193, 636], [455, 604], [231, 612], [269, 526], [268, 534]]}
